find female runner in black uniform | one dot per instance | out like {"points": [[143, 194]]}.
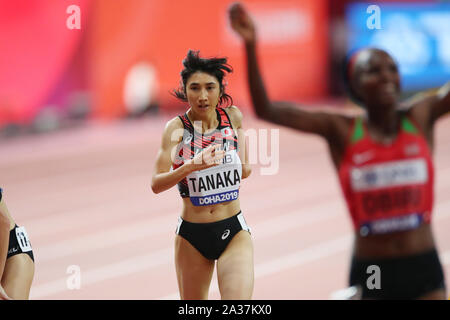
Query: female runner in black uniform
{"points": [[16, 257], [203, 152], [384, 164]]}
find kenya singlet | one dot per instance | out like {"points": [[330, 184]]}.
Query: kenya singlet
{"points": [[387, 188]]}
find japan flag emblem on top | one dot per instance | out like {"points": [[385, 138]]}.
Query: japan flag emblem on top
{"points": [[226, 132]]}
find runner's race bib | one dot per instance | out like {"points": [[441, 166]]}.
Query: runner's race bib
{"points": [[216, 184], [23, 240], [393, 174]]}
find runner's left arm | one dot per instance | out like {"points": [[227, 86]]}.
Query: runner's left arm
{"points": [[429, 106], [441, 106]]}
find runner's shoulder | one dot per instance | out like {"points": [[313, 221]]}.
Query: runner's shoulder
{"points": [[235, 115], [173, 130]]}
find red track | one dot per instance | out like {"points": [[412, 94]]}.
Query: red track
{"points": [[84, 196]]}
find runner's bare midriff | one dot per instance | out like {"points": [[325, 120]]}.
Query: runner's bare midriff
{"points": [[395, 244], [211, 213]]}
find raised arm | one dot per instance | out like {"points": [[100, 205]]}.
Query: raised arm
{"points": [[163, 178], [441, 105], [427, 107], [283, 113], [236, 118]]}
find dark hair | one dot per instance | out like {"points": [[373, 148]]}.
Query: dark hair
{"points": [[213, 66]]}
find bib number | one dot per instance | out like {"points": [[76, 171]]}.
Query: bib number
{"points": [[23, 240]]}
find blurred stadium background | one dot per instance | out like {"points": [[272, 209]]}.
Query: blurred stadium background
{"points": [[82, 111], [126, 56]]}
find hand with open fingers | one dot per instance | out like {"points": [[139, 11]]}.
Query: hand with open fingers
{"points": [[241, 22], [209, 157], [3, 295]]}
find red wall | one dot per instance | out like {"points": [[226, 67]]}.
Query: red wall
{"points": [[36, 47], [43, 56], [293, 42]]}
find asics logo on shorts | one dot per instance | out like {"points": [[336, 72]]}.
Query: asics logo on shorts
{"points": [[225, 234]]}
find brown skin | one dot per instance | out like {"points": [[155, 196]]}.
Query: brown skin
{"points": [[376, 81]]}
